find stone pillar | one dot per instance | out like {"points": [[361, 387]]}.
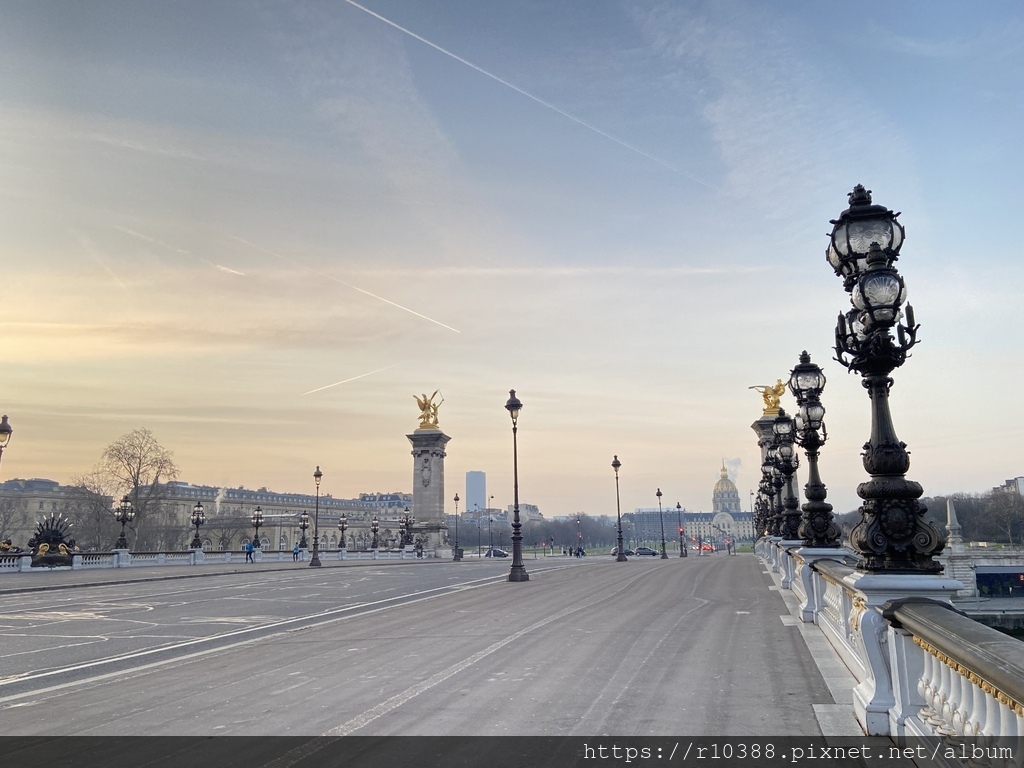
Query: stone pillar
{"points": [[428, 490], [959, 564]]}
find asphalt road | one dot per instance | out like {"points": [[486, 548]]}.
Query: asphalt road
{"points": [[694, 646]]}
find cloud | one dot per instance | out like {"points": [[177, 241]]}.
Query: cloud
{"points": [[771, 109]]}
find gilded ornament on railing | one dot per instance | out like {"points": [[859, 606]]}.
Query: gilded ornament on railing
{"points": [[771, 395], [428, 410]]}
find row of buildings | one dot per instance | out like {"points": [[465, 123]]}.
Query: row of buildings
{"points": [[167, 524]]}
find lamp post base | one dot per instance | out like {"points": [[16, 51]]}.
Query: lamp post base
{"points": [[518, 573]]}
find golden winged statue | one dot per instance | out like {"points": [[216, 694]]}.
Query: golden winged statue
{"points": [[428, 410], [771, 395]]}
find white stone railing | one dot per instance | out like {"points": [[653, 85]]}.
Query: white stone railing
{"points": [[969, 677], [922, 668]]}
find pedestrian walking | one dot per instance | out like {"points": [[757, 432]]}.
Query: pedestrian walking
{"points": [[248, 552], [295, 553]]}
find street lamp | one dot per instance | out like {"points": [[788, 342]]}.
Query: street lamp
{"points": [[579, 534], [679, 520], [5, 434], [315, 560], [458, 552], [786, 461], [806, 381], [664, 554], [257, 521], [518, 572], [342, 527], [620, 556], [303, 525], [198, 518], [374, 529], [892, 535], [124, 515], [408, 520]]}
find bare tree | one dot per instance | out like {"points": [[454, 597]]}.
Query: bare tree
{"points": [[139, 466], [1005, 509], [8, 516], [90, 510]]}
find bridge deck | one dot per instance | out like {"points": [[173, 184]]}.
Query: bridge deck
{"points": [[694, 646]]}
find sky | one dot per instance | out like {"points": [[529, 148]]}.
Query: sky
{"points": [[259, 229]]}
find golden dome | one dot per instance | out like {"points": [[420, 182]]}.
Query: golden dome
{"points": [[725, 484]]}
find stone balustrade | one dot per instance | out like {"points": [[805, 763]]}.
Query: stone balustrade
{"points": [[922, 668]]}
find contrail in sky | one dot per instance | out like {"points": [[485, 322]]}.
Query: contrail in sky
{"points": [[348, 285], [530, 96], [346, 381], [174, 248]]}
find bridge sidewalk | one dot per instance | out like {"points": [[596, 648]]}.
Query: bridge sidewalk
{"points": [[835, 719]]}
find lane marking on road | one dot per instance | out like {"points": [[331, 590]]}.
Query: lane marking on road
{"points": [[285, 625], [399, 699], [318, 744]]}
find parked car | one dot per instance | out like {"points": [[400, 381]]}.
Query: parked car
{"points": [[495, 552], [615, 551], [646, 551]]}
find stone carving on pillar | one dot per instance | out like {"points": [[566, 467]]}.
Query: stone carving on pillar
{"points": [[428, 451]]}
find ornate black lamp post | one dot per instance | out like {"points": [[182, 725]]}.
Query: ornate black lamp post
{"points": [[198, 518], [579, 534], [342, 527], [763, 505], [315, 560], [892, 535], [458, 552], [664, 554], [257, 521], [518, 572], [374, 529], [124, 515], [5, 434], [679, 521], [786, 462], [620, 556], [408, 520], [303, 526], [806, 381]]}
